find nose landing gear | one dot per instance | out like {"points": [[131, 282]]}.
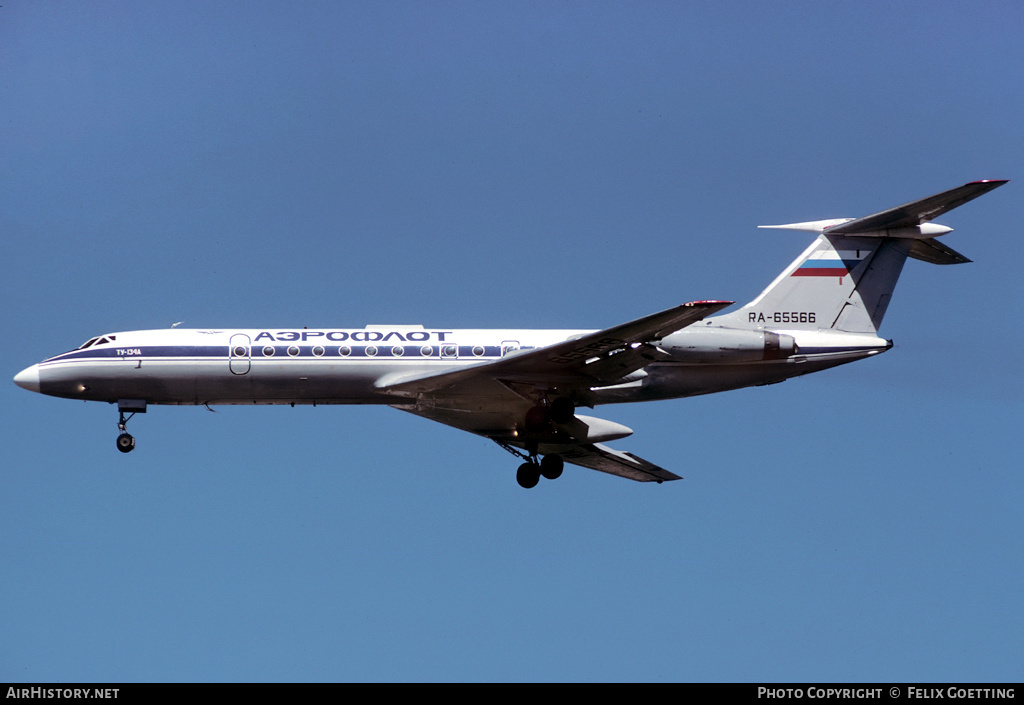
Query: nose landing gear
{"points": [[125, 441]]}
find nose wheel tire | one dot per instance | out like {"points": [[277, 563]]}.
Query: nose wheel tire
{"points": [[125, 442]]}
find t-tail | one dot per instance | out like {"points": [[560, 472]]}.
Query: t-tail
{"points": [[844, 281]]}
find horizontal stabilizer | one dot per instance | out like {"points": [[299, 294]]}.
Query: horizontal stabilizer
{"points": [[905, 218], [934, 252], [917, 212]]}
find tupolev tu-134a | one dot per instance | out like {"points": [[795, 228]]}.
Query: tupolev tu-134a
{"points": [[523, 388]]}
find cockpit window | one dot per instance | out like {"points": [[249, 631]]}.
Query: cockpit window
{"points": [[98, 340]]}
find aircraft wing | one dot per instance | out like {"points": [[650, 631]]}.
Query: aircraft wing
{"points": [[917, 212], [616, 462], [492, 399], [594, 359], [498, 424]]}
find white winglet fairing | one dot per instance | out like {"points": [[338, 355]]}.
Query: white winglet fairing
{"points": [[522, 388], [813, 226]]}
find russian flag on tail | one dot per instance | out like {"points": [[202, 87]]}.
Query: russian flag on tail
{"points": [[830, 263]]}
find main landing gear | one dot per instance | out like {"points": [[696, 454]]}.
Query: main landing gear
{"points": [[125, 441], [542, 421], [549, 467]]}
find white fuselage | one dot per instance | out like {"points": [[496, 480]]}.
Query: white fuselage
{"points": [[348, 366]]}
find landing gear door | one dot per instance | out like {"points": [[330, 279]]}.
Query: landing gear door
{"points": [[240, 354]]}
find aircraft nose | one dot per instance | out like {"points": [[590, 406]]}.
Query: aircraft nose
{"points": [[28, 378]]}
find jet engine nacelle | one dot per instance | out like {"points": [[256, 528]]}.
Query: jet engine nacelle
{"points": [[727, 345]]}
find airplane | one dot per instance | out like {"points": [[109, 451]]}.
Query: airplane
{"points": [[522, 388]]}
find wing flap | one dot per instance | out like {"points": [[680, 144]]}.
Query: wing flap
{"points": [[616, 462]]}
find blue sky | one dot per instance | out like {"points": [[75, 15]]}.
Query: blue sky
{"points": [[499, 164]]}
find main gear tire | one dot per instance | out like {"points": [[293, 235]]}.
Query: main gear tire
{"points": [[551, 466], [528, 475]]}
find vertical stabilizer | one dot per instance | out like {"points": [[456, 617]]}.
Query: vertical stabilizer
{"points": [[839, 282]]}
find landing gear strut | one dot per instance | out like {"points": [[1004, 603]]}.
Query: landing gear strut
{"points": [[125, 441]]}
